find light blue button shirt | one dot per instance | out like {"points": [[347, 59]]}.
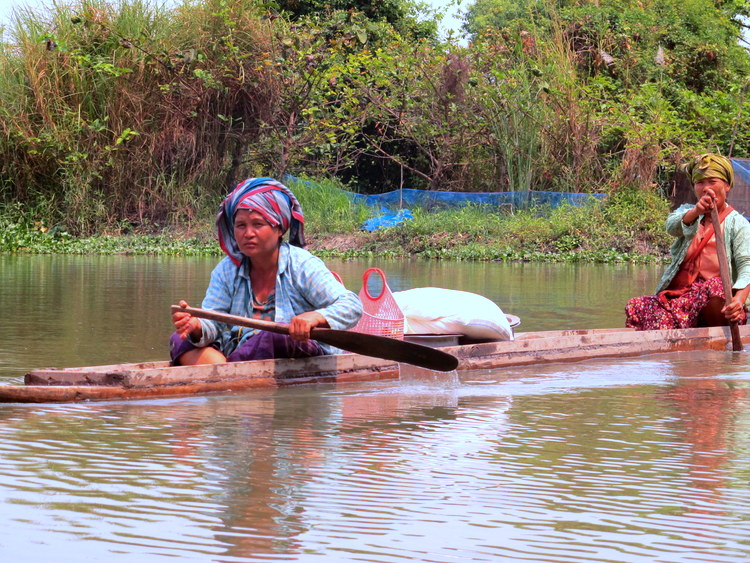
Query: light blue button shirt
{"points": [[303, 283]]}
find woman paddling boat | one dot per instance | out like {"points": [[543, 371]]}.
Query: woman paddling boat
{"points": [[690, 293], [265, 278]]}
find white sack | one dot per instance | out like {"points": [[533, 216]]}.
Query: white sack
{"points": [[434, 310]]}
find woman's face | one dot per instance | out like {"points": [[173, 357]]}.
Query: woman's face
{"points": [[255, 236], [717, 186]]}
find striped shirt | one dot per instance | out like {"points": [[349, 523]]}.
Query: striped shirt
{"points": [[303, 283]]}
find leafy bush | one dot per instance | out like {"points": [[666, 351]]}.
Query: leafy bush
{"points": [[129, 117]]}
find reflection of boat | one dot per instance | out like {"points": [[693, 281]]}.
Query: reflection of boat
{"points": [[158, 379]]}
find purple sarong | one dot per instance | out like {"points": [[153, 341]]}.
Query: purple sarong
{"points": [[261, 346]]}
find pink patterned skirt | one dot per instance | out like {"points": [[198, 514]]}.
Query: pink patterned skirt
{"points": [[655, 312]]}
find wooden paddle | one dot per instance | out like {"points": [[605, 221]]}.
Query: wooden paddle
{"points": [[725, 279], [357, 342]]}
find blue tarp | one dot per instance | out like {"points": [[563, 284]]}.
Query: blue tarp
{"points": [[430, 199], [399, 200], [741, 169], [740, 197], [390, 219]]}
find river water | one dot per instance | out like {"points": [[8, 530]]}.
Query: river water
{"points": [[641, 459]]}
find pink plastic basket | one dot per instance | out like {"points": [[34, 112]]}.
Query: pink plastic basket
{"points": [[382, 315]]}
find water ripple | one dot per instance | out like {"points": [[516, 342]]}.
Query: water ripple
{"points": [[562, 465]]}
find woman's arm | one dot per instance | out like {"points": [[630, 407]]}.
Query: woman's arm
{"points": [[338, 307], [704, 205], [682, 221], [219, 295]]}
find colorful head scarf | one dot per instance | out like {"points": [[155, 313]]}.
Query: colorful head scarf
{"points": [[273, 200], [710, 166]]}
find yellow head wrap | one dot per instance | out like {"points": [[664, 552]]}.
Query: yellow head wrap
{"points": [[710, 166]]}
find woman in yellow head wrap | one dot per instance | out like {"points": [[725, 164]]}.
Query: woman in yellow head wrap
{"points": [[690, 293]]}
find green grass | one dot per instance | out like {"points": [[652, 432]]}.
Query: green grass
{"points": [[327, 209], [628, 227]]}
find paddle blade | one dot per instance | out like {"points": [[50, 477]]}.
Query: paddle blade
{"points": [[387, 348]]}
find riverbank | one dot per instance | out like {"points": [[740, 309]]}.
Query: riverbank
{"points": [[626, 227]]}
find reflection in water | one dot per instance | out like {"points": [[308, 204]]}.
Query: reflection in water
{"points": [[706, 411], [66, 311], [242, 477], [274, 457], [537, 464]]}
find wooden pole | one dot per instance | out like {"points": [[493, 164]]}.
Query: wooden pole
{"points": [[726, 281]]}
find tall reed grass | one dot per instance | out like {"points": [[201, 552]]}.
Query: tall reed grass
{"points": [[327, 207], [130, 109]]}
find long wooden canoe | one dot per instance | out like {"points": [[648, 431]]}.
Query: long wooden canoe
{"points": [[159, 379]]}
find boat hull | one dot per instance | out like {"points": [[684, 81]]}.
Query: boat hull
{"points": [[158, 379]]}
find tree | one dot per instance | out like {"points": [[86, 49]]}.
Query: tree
{"points": [[406, 16], [497, 14]]}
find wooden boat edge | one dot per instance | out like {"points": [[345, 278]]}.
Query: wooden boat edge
{"points": [[78, 393], [155, 379]]}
